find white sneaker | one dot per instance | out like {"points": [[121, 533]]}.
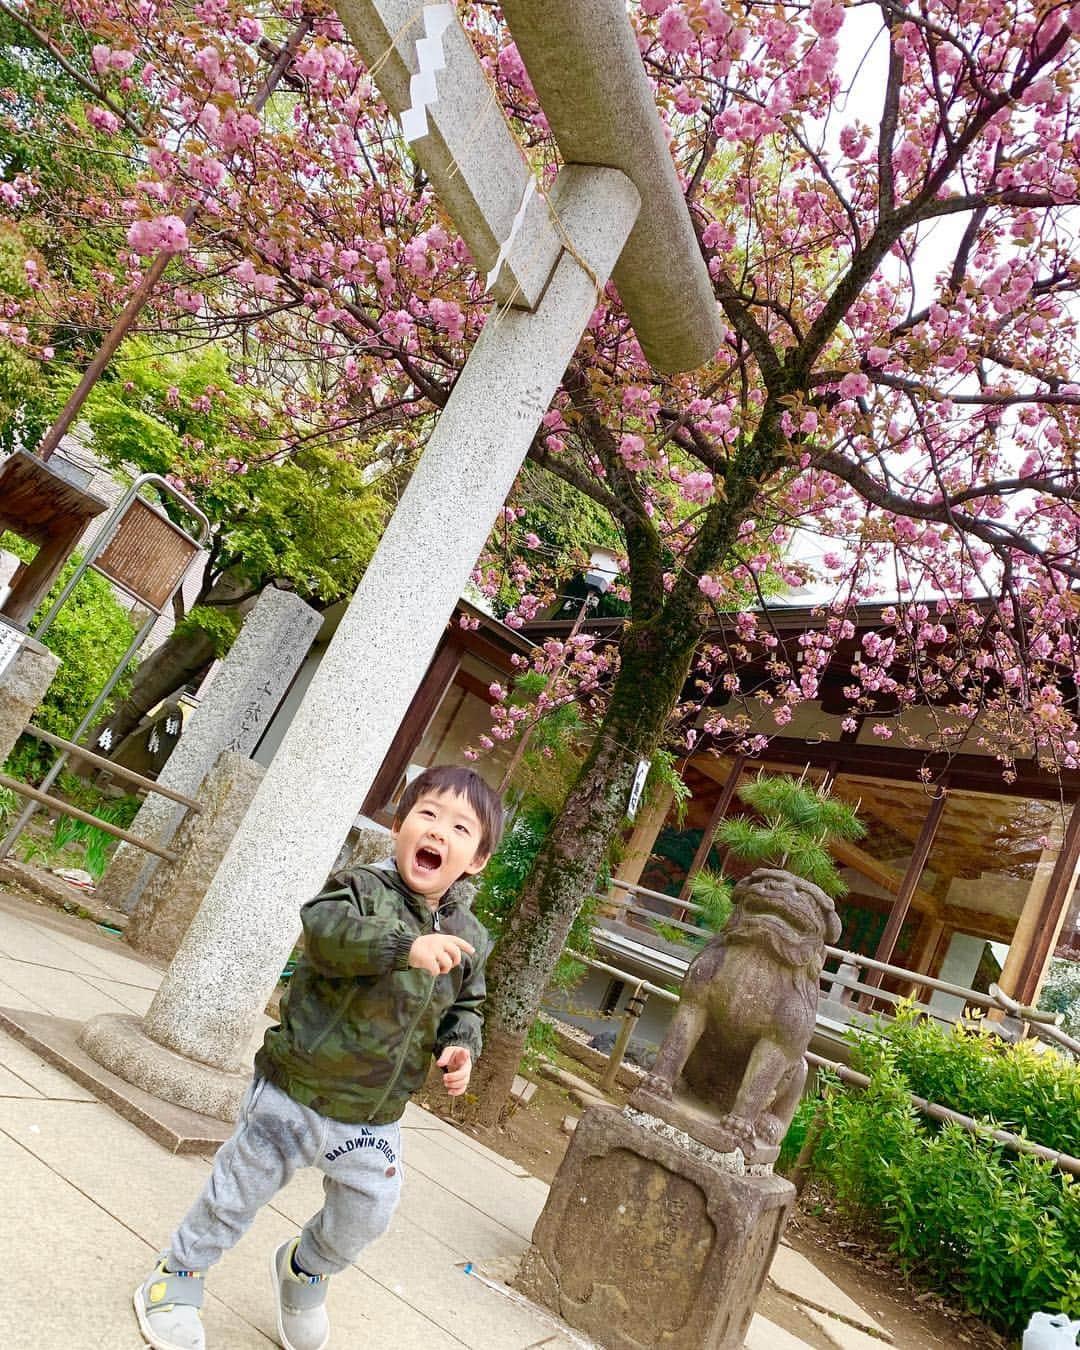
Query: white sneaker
{"points": [[301, 1319], [169, 1309]]}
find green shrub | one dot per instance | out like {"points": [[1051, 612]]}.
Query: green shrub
{"points": [[9, 806], [995, 1231], [89, 635], [1019, 1087], [97, 845]]}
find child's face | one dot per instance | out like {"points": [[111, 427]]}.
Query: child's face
{"points": [[438, 842]]}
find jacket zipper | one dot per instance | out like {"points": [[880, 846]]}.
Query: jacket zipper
{"points": [[404, 1052], [334, 1022]]}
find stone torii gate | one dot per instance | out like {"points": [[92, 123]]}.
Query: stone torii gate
{"points": [[617, 210]]}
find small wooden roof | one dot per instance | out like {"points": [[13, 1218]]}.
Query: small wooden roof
{"points": [[37, 503]]}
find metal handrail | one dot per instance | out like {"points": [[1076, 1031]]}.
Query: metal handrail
{"points": [[55, 804], [934, 1110], [988, 1001], [117, 770], [1064, 1161]]}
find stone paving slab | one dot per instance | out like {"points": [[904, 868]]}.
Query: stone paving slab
{"points": [[56, 1040], [131, 997], [42, 936], [459, 1141], [48, 987], [77, 1266], [843, 1335], [766, 1335], [14, 998], [474, 1235], [482, 1185], [41, 1078], [801, 1280]]}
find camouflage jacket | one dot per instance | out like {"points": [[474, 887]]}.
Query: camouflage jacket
{"points": [[358, 1024]]}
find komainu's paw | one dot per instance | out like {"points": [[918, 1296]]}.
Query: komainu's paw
{"points": [[658, 1087], [771, 1129], [738, 1132]]}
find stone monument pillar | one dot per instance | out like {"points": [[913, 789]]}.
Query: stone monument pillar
{"points": [[663, 1220], [26, 671], [193, 1045], [174, 894], [246, 689]]}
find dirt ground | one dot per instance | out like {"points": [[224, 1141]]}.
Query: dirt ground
{"points": [[533, 1137]]}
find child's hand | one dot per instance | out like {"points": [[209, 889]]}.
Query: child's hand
{"points": [[456, 1064], [438, 952]]}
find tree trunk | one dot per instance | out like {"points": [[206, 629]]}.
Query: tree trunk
{"points": [[169, 667], [655, 664]]}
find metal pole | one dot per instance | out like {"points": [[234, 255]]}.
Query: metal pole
{"points": [[635, 1006], [100, 762], [42, 799]]}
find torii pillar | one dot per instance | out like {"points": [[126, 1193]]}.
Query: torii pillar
{"points": [[547, 260]]}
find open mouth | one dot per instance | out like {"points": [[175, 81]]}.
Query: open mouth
{"points": [[427, 860]]}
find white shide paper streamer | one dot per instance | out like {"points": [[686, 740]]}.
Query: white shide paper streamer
{"points": [[515, 228], [431, 58]]}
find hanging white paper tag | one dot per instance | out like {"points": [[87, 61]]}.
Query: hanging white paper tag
{"points": [[638, 788]]}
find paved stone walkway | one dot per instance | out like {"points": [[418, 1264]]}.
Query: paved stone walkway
{"points": [[87, 1200]]}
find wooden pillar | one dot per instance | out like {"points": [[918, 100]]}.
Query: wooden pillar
{"points": [[423, 708], [922, 956], [33, 581], [1028, 920], [646, 829], [719, 811], [1054, 907], [887, 946]]}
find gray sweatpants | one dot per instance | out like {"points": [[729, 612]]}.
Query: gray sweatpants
{"points": [[361, 1166]]}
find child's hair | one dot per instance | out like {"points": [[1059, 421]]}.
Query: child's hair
{"points": [[461, 782]]}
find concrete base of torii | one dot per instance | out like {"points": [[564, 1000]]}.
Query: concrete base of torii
{"points": [[219, 982]]}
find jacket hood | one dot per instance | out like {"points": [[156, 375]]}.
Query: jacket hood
{"points": [[460, 895]]}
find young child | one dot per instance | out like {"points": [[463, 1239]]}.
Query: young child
{"points": [[392, 973]]}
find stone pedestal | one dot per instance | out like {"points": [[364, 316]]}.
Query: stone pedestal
{"points": [[119, 1044], [24, 678], [650, 1241], [246, 690], [169, 903]]}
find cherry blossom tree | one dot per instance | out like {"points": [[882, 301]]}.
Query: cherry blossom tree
{"points": [[886, 199]]}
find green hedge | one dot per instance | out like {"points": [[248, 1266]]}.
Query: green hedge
{"points": [[90, 635], [996, 1232]]}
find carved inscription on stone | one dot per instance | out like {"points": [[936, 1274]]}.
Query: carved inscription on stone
{"points": [[656, 1236]]}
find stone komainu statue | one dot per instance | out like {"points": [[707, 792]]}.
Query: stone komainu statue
{"points": [[731, 1069]]}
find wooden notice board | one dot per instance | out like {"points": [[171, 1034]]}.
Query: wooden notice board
{"points": [[148, 555]]}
